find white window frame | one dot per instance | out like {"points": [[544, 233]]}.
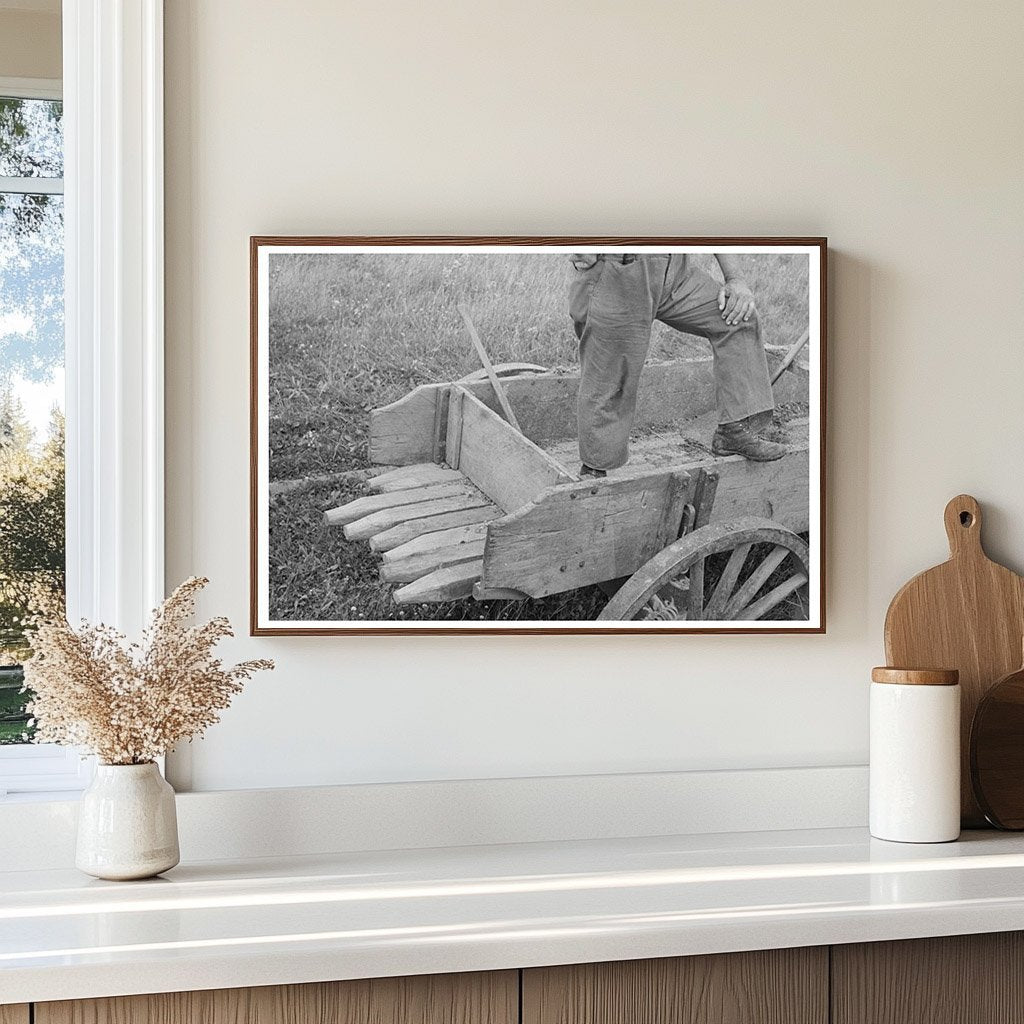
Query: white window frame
{"points": [[114, 322]]}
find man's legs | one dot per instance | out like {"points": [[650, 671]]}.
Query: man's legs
{"points": [[743, 388], [611, 307]]}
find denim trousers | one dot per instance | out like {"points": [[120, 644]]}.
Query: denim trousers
{"points": [[614, 305]]}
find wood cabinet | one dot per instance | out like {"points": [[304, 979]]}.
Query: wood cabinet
{"points": [[491, 998], [962, 979], [778, 986], [971, 979]]}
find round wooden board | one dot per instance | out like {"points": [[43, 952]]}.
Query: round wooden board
{"points": [[997, 752]]}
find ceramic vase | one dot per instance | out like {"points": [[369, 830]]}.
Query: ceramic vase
{"points": [[127, 825]]}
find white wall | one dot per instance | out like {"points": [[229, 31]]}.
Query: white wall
{"points": [[894, 129]]}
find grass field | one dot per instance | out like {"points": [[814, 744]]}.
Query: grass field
{"points": [[349, 333]]}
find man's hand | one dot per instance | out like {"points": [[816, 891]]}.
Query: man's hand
{"points": [[736, 301], [583, 260]]}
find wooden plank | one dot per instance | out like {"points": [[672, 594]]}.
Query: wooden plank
{"points": [[582, 533], [491, 997], [386, 518], [440, 429], [791, 353], [669, 391], [453, 429], [435, 541], [499, 391], [419, 475], [777, 490], [793, 385], [775, 986], [450, 584], [403, 432], [405, 570], [407, 531], [599, 530], [960, 979], [14, 1014], [360, 507], [679, 496], [510, 469], [481, 593]]}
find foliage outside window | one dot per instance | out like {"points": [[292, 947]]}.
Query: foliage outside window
{"points": [[31, 386]]}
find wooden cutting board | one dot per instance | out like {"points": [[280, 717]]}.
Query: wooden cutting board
{"points": [[967, 614], [997, 752]]}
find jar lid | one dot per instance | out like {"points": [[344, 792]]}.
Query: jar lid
{"points": [[916, 676]]}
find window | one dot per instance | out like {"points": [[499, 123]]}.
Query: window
{"points": [[112, 207], [32, 531]]}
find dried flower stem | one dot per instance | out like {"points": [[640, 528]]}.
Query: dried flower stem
{"points": [[129, 703]]}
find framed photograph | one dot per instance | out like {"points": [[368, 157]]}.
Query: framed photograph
{"points": [[537, 435]]}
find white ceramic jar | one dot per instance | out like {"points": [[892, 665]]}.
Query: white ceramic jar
{"points": [[127, 823], [915, 755]]}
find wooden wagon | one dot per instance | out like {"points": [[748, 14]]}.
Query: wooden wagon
{"points": [[475, 508]]}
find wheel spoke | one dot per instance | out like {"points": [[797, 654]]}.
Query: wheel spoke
{"points": [[677, 575], [755, 581], [759, 609], [726, 582], [695, 605]]}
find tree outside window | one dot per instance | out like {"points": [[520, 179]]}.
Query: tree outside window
{"points": [[32, 543]]}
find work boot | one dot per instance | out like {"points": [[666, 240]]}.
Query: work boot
{"points": [[739, 439], [585, 470]]}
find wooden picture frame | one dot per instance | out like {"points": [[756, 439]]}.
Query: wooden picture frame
{"points": [[467, 489]]}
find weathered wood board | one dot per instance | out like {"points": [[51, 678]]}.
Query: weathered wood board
{"points": [[405, 570], [449, 584], [411, 529], [421, 474], [385, 519], [452, 446], [582, 533], [402, 433], [777, 490], [435, 540], [510, 469], [413, 429], [360, 507]]}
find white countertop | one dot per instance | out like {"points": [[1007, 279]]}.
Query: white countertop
{"points": [[298, 919]]}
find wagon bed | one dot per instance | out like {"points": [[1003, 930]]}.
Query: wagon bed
{"points": [[474, 508]]}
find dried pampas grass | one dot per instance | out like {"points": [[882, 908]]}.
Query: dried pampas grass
{"points": [[130, 703]]}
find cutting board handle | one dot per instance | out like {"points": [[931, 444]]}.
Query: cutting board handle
{"points": [[963, 526]]}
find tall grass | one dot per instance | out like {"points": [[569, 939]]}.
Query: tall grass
{"points": [[349, 332]]}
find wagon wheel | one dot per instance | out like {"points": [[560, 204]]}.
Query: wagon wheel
{"points": [[503, 370], [766, 564]]}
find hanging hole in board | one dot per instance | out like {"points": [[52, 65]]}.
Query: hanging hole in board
{"points": [[966, 518]]}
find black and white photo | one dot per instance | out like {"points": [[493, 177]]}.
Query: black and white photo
{"points": [[537, 435]]}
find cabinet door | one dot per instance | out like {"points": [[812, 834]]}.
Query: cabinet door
{"points": [[962, 979], [779, 986], [14, 1014], [490, 998]]}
